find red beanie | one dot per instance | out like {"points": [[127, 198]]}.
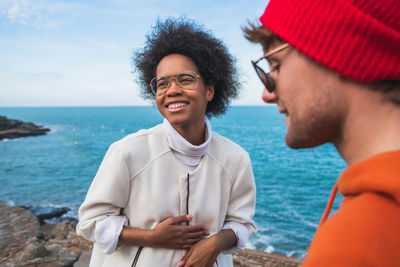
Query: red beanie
{"points": [[359, 39]]}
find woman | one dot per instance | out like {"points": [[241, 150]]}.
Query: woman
{"points": [[177, 194]]}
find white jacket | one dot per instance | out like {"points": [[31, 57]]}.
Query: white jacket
{"points": [[141, 179]]}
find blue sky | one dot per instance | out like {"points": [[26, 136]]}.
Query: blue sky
{"points": [[77, 53]]}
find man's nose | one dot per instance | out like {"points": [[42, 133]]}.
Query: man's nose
{"points": [[268, 97]]}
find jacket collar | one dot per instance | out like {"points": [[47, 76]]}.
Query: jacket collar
{"points": [[378, 174]]}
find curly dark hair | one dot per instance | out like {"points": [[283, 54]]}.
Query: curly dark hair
{"points": [[182, 36]]}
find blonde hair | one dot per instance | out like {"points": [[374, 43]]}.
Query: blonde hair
{"points": [[258, 34]]}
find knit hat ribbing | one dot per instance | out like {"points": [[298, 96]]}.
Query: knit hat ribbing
{"points": [[359, 39]]}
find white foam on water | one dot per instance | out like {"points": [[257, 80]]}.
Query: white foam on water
{"points": [[291, 253], [56, 128], [10, 203], [249, 245], [53, 128], [269, 249]]}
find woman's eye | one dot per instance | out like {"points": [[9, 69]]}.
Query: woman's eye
{"points": [[186, 79], [162, 84]]}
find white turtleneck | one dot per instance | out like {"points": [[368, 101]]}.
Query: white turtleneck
{"points": [[109, 229], [187, 154]]}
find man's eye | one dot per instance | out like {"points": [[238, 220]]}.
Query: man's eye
{"points": [[275, 67]]}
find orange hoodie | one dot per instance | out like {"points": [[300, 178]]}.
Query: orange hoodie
{"points": [[365, 231]]}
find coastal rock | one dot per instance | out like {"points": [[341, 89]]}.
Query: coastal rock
{"points": [[33, 249], [46, 213], [257, 258], [17, 226], [15, 128], [22, 242]]}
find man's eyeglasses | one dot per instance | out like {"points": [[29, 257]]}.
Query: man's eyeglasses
{"points": [[186, 80], [264, 76]]}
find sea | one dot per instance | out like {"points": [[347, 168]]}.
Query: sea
{"points": [[55, 170]]}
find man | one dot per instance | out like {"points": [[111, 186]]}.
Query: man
{"points": [[335, 74]]}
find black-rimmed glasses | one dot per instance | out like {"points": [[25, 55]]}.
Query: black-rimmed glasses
{"points": [[187, 80], [264, 76]]}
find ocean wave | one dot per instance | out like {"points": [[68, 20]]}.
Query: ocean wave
{"points": [[269, 249], [9, 203], [261, 242]]}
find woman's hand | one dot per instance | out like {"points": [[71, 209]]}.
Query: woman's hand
{"points": [[202, 254], [171, 234], [205, 252], [167, 234]]}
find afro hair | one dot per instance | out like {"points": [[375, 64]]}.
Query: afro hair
{"points": [[182, 36]]}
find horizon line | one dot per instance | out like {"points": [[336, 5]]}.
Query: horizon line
{"points": [[114, 106]]}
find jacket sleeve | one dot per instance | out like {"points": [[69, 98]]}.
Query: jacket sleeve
{"points": [[107, 195], [242, 203]]}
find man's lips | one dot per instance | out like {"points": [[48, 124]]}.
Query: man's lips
{"points": [[283, 111]]}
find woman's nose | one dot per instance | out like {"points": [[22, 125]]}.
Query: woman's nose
{"points": [[269, 97], [173, 88]]}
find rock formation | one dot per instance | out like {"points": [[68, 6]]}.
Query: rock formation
{"points": [[26, 242], [23, 242], [257, 258], [15, 128]]}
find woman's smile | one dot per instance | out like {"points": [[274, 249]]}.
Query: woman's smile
{"points": [[176, 106]]}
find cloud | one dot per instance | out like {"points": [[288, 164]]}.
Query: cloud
{"points": [[12, 10], [40, 13]]}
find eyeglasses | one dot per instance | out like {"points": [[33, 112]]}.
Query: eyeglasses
{"points": [[186, 80], [264, 76]]}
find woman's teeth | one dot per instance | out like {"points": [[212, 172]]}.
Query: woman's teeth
{"points": [[176, 105]]}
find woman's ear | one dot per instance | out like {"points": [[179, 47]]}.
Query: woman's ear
{"points": [[210, 92]]}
